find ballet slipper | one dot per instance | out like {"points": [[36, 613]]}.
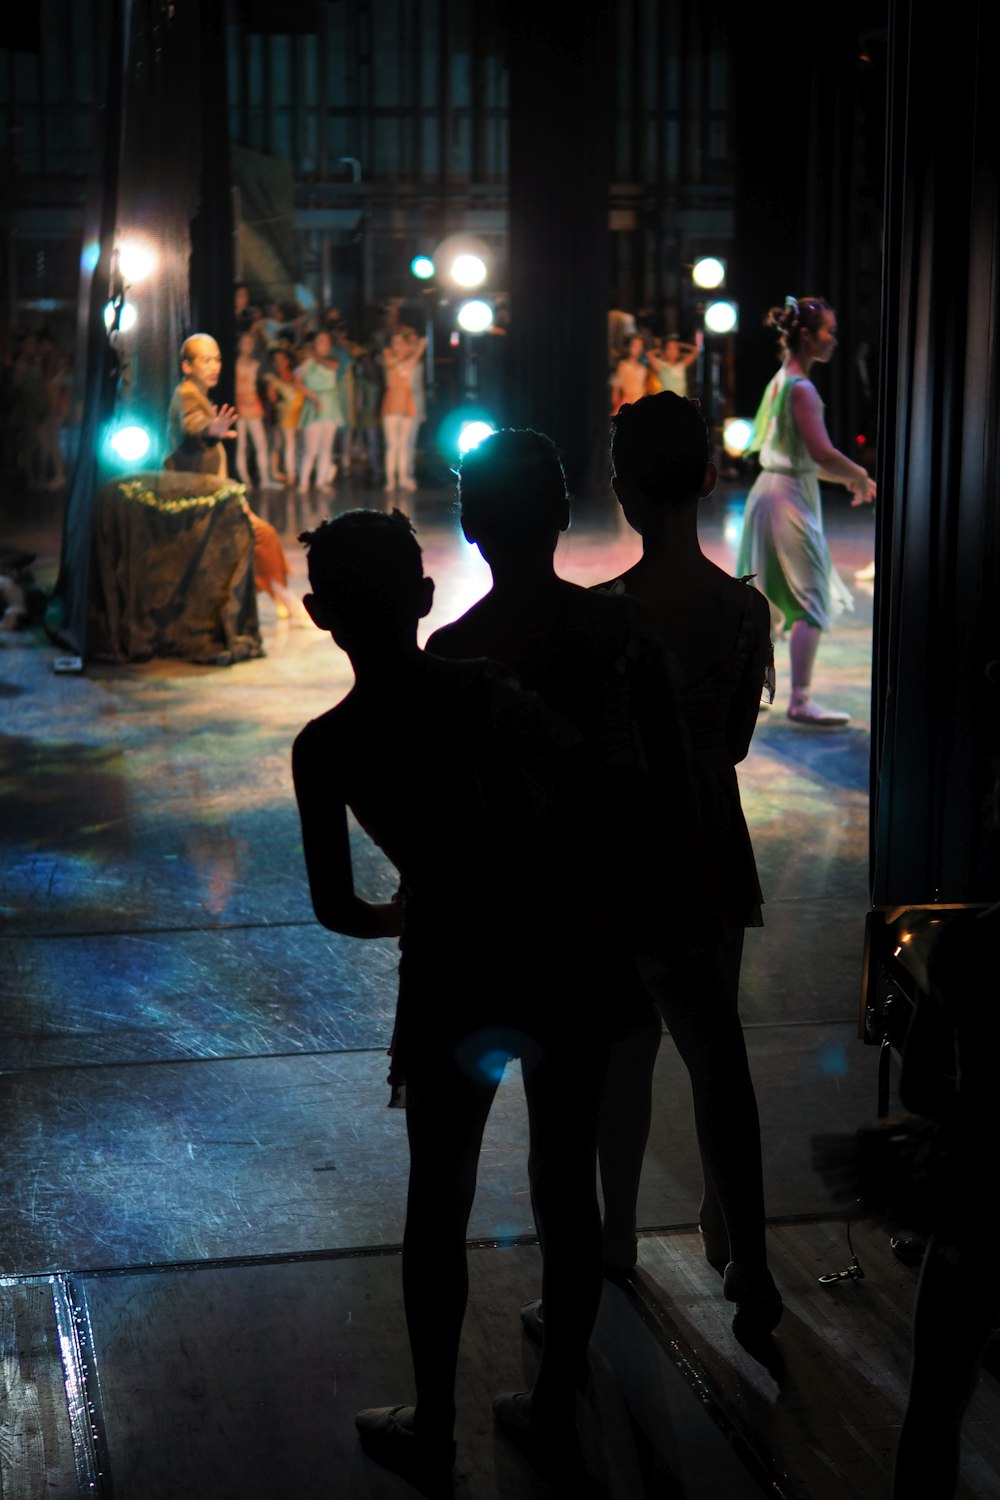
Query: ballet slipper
{"points": [[808, 712], [552, 1448], [758, 1301], [388, 1436]]}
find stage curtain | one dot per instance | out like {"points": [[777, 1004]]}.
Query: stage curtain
{"points": [[150, 181], [561, 131], [936, 678]]}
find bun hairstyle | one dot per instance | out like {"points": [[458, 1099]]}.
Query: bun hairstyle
{"points": [[797, 314]]}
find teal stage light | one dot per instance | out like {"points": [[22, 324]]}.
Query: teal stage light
{"points": [[462, 429], [129, 443], [471, 434], [422, 267]]}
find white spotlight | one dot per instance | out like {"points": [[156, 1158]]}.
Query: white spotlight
{"points": [[736, 435], [708, 272], [721, 317], [468, 270], [137, 260], [125, 322], [475, 316]]}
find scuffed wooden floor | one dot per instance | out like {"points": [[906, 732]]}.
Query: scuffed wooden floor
{"points": [[240, 1381], [827, 1429]]}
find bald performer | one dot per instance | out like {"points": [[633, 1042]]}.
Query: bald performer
{"points": [[195, 425]]}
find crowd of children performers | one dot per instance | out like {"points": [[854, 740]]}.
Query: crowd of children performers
{"points": [[315, 403]]}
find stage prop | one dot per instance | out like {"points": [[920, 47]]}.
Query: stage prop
{"points": [[172, 571]]}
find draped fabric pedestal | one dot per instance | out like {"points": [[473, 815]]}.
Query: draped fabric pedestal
{"points": [[172, 571]]}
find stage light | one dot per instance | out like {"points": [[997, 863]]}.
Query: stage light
{"points": [[471, 434], [90, 255], [737, 433], [721, 317], [137, 260], [130, 443], [708, 272], [126, 320], [463, 261], [422, 267], [468, 270], [732, 525], [475, 316], [462, 428]]}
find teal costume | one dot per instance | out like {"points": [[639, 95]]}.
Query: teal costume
{"points": [[322, 381]]}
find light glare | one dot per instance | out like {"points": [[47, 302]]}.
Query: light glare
{"points": [[736, 436], [708, 273], [137, 260], [475, 316], [720, 317], [472, 434], [468, 270], [422, 267], [131, 443], [125, 322]]}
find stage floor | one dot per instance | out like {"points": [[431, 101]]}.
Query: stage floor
{"points": [[192, 1070]]}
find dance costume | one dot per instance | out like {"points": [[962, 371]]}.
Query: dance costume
{"points": [[783, 545]]}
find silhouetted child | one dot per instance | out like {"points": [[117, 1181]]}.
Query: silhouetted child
{"points": [[589, 658], [716, 630], [496, 959]]}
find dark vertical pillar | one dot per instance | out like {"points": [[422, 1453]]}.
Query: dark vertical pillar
{"points": [[561, 125], [212, 259], [936, 686], [796, 73]]}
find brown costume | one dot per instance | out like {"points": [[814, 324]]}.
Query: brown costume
{"points": [[189, 417]]}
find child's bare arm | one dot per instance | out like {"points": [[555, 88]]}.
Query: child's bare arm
{"points": [[327, 847]]}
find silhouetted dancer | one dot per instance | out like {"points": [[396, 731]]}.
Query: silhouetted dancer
{"points": [[628, 824], [716, 629], [496, 960]]}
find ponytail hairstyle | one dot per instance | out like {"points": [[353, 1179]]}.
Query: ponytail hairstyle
{"points": [[797, 314]]}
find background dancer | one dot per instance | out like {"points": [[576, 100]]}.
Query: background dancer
{"points": [[783, 544]]}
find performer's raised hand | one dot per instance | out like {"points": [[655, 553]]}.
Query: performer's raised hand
{"points": [[223, 423]]}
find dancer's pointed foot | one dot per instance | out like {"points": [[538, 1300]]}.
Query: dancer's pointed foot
{"points": [[805, 711]]}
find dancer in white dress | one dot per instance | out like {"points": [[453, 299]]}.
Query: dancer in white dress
{"points": [[783, 544]]}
